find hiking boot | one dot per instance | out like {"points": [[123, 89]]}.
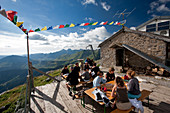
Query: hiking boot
{"points": [[70, 93]]}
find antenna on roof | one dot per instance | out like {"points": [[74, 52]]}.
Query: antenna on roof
{"points": [[123, 14]]}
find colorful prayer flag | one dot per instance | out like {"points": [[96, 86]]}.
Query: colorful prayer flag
{"points": [[67, 25], [21, 26], [19, 23], [105, 23], [101, 23], [43, 29], [95, 23], [24, 30], [3, 13], [111, 23], [91, 23], [82, 24], [31, 31], [15, 20], [72, 25], [61, 26], [77, 25], [50, 28], [11, 14], [56, 27], [38, 29], [86, 24]]}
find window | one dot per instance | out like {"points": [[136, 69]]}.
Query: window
{"points": [[163, 25], [151, 28]]}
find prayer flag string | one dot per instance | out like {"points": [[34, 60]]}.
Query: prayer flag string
{"points": [[12, 16]]}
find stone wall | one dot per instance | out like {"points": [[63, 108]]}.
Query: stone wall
{"points": [[152, 47], [107, 55]]}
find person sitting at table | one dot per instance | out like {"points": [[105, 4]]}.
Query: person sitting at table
{"points": [[72, 79], [86, 66], [77, 68], [119, 91], [86, 75], [110, 75], [133, 85], [94, 70], [65, 71], [99, 79]]}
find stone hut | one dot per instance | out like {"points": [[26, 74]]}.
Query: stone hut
{"points": [[135, 49]]}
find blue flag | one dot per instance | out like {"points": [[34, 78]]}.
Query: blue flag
{"points": [[50, 28]]}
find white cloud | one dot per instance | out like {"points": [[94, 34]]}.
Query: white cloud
{"points": [[89, 19], [85, 2], [105, 6], [164, 1], [46, 43], [14, 0], [163, 8], [133, 28], [158, 6]]}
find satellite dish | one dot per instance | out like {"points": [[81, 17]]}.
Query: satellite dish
{"points": [[164, 33]]}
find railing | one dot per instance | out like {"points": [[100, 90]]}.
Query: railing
{"points": [[30, 86]]}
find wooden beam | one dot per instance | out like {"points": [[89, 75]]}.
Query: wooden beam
{"points": [[45, 74]]}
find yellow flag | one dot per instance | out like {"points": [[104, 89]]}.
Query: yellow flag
{"points": [[111, 23], [43, 29], [19, 23], [95, 23], [72, 25]]}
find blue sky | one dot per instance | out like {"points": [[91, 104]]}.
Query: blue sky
{"points": [[40, 13]]}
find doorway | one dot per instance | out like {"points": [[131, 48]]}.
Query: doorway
{"points": [[119, 57]]}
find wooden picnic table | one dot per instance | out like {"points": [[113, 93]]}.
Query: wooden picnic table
{"points": [[108, 92]]}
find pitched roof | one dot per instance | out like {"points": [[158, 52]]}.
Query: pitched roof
{"points": [[153, 19], [143, 33]]}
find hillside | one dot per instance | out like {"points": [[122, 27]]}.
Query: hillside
{"points": [[16, 66], [14, 99], [52, 56]]}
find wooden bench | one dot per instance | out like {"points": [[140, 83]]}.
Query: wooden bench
{"points": [[144, 94]]}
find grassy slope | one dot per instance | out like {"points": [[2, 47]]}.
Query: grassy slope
{"points": [[10, 98]]}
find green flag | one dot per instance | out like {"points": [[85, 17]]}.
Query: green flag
{"points": [[15, 20], [91, 23], [37, 30], [66, 25]]}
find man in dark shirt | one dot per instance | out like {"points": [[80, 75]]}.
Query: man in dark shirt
{"points": [[72, 79], [95, 69], [86, 66], [77, 68], [110, 75], [65, 70]]}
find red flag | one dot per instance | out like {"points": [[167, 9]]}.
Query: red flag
{"points": [[118, 23], [31, 31], [86, 24], [24, 30], [11, 14], [105, 23], [61, 26]]}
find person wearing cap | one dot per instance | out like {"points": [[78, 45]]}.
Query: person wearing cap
{"points": [[99, 79]]}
